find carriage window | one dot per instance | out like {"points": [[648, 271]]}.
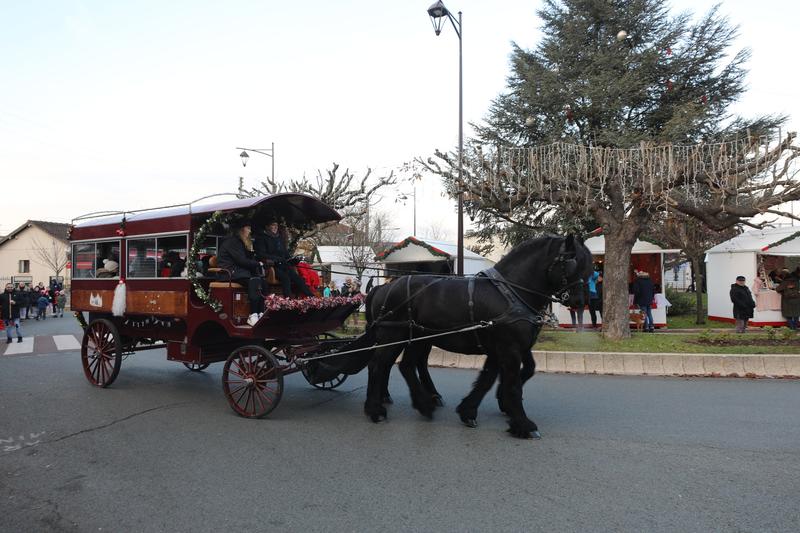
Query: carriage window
{"points": [[172, 256], [83, 260], [142, 258], [95, 260]]}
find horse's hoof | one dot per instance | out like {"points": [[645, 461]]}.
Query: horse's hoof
{"points": [[437, 400], [470, 422], [520, 434], [387, 400], [536, 435]]}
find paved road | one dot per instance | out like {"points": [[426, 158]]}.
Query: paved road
{"points": [[161, 451]]}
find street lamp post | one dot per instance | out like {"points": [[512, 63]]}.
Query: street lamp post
{"points": [[270, 152], [438, 12], [404, 197]]}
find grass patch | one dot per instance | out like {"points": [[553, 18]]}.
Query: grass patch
{"points": [[688, 322], [570, 341]]}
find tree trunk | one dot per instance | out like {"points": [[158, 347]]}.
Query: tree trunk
{"points": [[697, 272], [615, 285]]}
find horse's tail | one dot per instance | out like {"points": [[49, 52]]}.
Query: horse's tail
{"points": [[351, 363]]}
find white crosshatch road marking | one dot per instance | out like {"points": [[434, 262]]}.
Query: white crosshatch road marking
{"points": [[26, 346], [66, 342], [40, 345]]}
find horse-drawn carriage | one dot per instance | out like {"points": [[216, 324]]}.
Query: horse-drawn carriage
{"points": [[147, 280]]}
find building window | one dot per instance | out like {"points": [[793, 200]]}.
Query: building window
{"points": [[24, 266]]}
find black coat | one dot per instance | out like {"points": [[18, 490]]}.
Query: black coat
{"points": [[237, 259], [8, 311], [643, 291], [22, 298], [743, 303], [270, 247]]}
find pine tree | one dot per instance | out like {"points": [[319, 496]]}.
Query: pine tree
{"points": [[621, 74]]}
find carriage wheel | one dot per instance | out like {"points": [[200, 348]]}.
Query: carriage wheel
{"points": [[196, 367], [252, 381], [325, 385], [101, 352]]}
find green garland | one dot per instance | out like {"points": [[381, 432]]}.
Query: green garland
{"points": [[218, 217], [778, 243]]}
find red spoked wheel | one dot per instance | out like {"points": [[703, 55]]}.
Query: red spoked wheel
{"points": [[196, 367], [101, 352], [252, 381]]}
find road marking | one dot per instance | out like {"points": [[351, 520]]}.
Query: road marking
{"points": [[66, 342], [26, 346]]}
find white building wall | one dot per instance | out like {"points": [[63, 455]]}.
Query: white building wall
{"points": [[23, 246]]}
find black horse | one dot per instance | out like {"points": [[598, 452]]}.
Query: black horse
{"points": [[508, 300]]}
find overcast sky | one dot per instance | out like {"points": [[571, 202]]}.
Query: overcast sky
{"points": [[124, 105]]}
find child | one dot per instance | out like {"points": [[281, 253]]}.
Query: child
{"points": [[61, 301], [42, 304]]}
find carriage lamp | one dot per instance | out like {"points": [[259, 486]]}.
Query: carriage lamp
{"points": [[244, 157]]}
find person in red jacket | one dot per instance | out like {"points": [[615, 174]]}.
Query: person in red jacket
{"points": [[309, 275]]}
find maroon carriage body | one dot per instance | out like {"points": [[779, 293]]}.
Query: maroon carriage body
{"points": [[163, 307]]}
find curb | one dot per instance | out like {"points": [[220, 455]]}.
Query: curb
{"points": [[643, 364]]}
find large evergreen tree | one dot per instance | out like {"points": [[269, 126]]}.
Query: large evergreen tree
{"points": [[620, 74]]}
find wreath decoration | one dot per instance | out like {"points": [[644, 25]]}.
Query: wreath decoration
{"points": [[218, 217], [121, 229]]}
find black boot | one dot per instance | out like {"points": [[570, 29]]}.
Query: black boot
{"points": [[19, 339], [9, 340]]}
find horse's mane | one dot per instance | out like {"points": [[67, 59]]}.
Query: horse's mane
{"points": [[525, 248]]}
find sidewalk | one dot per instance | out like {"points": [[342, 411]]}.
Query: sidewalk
{"points": [[647, 364]]}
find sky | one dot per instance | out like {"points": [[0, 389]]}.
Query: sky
{"points": [[125, 105]]}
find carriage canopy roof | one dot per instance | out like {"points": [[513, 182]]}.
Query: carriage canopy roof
{"points": [[293, 208]]}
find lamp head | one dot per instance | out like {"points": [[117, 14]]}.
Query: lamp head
{"points": [[244, 157], [438, 13]]}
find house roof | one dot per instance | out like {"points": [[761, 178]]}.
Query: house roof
{"points": [[777, 241], [57, 230], [436, 248]]}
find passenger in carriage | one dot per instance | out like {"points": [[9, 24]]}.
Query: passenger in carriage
{"points": [[172, 265], [236, 255], [110, 269], [271, 248]]}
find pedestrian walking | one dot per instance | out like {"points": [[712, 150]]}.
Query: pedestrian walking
{"points": [[595, 301], [789, 290], [743, 304], [576, 313], [41, 305], [643, 293], [9, 311], [21, 296], [62, 302]]}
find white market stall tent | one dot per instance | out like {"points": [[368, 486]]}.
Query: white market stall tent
{"points": [[752, 254], [336, 263], [413, 254], [645, 256]]}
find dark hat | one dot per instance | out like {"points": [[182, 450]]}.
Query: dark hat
{"points": [[740, 278], [239, 223]]}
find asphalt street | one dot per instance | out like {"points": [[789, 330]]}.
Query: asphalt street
{"points": [[161, 451]]}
